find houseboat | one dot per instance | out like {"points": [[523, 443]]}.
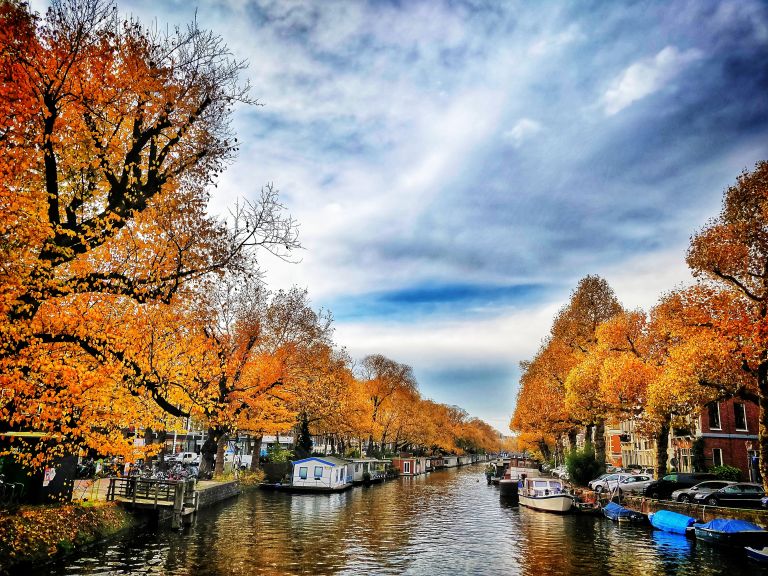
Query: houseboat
{"points": [[450, 461], [408, 465], [321, 474], [368, 470], [545, 494]]}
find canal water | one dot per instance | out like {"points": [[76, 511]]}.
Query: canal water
{"points": [[447, 522]]}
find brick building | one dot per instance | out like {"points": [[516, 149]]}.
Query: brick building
{"points": [[727, 432]]}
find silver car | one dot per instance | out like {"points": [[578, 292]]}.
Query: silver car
{"points": [[636, 483], [687, 494]]}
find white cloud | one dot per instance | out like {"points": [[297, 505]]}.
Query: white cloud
{"points": [[521, 131], [646, 77]]}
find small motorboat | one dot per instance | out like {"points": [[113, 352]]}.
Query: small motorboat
{"points": [[759, 554], [618, 513], [739, 533], [673, 522], [545, 494]]}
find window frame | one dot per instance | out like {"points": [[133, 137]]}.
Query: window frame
{"points": [[715, 406], [719, 452], [318, 476], [743, 415], [303, 472]]}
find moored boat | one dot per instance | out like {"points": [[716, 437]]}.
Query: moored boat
{"points": [[725, 532], [759, 554], [545, 494], [618, 513], [673, 522]]}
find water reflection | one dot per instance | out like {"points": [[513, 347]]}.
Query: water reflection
{"points": [[446, 522]]}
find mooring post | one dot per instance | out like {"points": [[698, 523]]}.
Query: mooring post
{"points": [[178, 505]]}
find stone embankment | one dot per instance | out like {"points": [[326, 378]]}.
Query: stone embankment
{"points": [[700, 512]]}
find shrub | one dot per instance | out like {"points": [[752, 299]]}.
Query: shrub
{"points": [[583, 466], [275, 454], [726, 473]]}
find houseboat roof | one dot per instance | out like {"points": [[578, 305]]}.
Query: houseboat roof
{"points": [[329, 460], [360, 460]]}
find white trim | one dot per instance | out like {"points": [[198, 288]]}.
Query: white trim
{"points": [[714, 461]]}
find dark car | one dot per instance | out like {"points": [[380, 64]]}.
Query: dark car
{"points": [[741, 495], [662, 489]]}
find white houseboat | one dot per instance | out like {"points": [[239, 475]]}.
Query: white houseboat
{"points": [[375, 469], [321, 474]]}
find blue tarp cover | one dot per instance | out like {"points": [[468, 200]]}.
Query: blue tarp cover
{"points": [[614, 508], [729, 526], [671, 521]]}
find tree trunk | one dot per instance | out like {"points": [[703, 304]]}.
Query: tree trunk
{"points": [[662, 440], [544, 449], [762, 438], [256, 453], [588, 434], [221, 447], [600, 455], [572, 439], [208, 452]]}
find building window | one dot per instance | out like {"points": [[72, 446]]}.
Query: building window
{"points": [[714, 416], [717, 457], [318, 472], [406, 467], [303, 472], [740, 415]]}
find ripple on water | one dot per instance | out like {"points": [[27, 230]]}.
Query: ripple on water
{"points": [[445, 522]]}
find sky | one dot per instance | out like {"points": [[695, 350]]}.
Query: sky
{"points": [[457, 166]]}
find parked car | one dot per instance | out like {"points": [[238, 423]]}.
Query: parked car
{"points": [[609, 482], [634, 484], [560, 472], [687, 494], [740, 495], [187, 458], [600, 478], [662, 489]]}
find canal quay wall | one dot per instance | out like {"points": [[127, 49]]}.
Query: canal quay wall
{"points": [[700, 512], [213, 492]]}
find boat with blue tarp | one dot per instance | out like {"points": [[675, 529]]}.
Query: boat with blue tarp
{"points": [[759, 554], [674, 522], [726, 532], [618, 513]]}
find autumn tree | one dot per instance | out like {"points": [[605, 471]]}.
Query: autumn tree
{"points": [[730, 256], [591, 303], [110, 135], [540, 416]]}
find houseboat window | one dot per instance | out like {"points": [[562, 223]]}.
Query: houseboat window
{"points": [[714, 416], [740, 415], [357, 467], [540, 483], [318, 472], [303, 472], [717, 457], [406, 467]]}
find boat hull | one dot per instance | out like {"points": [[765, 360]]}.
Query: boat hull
{"points": [[751, 538], [759, 554], [557, 503], [508, 488]]}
